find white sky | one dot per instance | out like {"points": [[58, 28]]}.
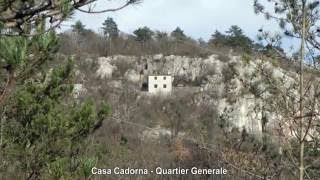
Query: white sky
{"points": [[198, 18]]}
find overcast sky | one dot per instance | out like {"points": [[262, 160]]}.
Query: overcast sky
{"points": [[198, 18]]}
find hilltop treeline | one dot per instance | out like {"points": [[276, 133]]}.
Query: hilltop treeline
{"points": [[110, 41]]}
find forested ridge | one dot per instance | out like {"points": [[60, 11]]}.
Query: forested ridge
{"points": [[76, 99]]}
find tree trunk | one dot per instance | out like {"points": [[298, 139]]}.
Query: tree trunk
{"points": [[302, 136]]}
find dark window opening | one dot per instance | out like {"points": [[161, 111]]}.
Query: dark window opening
{"points": [[164, 86], [155, 78], [155, 86], [146, 66], [164, 78], [144, 86]]}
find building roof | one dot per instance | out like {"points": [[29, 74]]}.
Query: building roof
{"points": [[159, 75]]}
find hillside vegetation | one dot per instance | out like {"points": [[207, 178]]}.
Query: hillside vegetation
{"points": [[78, 100]]}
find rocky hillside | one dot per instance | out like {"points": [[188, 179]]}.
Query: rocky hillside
{"points": [[238, 87]]}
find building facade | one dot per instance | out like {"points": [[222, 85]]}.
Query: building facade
{"points": [[160, 84]]}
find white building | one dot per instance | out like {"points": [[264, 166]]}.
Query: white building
{"points": [[160, 84]]}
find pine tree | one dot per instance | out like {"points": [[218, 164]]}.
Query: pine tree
{"points": [[178, 34], [110, 28], [143, 35], [237, 39], [161, 35], [110, 31], [235, 31], [43, 128], [41, 125], [299, 19], [27, 13], [218, 39], [234, 38], [79, 28]]}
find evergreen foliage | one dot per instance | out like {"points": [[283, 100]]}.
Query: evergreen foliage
{"points": [[78, 27], [298, 19], [42, 125], [143, 34], [234, 38], [178, 34], [218, 39], [161, 35], [110, 28], [21, 15]]}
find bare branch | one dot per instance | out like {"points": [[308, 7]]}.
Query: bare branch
{"points": [[130, 2]]}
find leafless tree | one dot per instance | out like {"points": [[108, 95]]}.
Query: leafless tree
{"points": [[22, 15]]}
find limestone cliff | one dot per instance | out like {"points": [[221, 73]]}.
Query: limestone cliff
{"points": [[239, 88]]}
